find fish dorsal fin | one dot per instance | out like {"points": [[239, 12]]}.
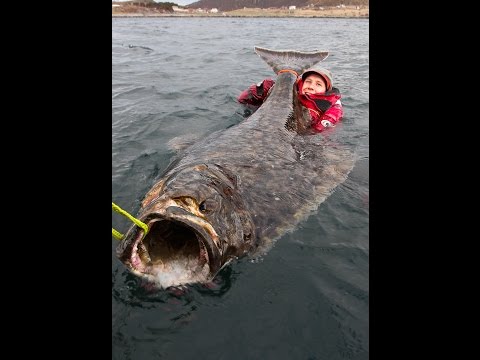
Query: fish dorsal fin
{"points": [[290, 59]]}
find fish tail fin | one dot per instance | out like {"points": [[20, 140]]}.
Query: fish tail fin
{"points": [[294, 60]]}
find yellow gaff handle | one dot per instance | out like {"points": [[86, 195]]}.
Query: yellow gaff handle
{"points": [[116, 234], [137, 222]]}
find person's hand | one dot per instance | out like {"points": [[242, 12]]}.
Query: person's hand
{"points": [[259, 87]]}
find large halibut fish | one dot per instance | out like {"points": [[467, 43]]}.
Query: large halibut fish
{"points": [[236, 191]]}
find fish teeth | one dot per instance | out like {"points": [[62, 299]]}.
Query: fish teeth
{"points": [[143, 253]]}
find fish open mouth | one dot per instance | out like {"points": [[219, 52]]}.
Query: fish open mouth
{"points": [[177, 249]]}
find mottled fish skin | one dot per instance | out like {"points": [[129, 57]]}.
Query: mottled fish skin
{"points": [[236, 191]]}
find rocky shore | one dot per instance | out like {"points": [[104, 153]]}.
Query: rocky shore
{"points": [[333, 12]]}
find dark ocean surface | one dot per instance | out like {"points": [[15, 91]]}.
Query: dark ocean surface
{"points": [[308, 297]]}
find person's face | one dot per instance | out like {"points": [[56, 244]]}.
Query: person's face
{"points": [[313, 84]]}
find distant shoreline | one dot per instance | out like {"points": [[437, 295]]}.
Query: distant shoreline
{"points": [[350, 12], [235, 16]]}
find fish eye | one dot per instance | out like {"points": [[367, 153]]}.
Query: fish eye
{"points": [[207, 206]]}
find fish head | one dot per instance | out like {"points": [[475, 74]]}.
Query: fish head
{"points": [[197, 223]]}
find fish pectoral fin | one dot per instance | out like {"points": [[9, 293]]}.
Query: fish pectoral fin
{"points": [[182, 142]]}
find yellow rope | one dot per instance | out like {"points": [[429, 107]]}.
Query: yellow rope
{"points": [[137, 222]]}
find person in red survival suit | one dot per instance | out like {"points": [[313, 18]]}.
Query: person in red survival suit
{"points": [[315, 91]]}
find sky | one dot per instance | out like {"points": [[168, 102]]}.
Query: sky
{"points": [[181, 2], [178, 2]]}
